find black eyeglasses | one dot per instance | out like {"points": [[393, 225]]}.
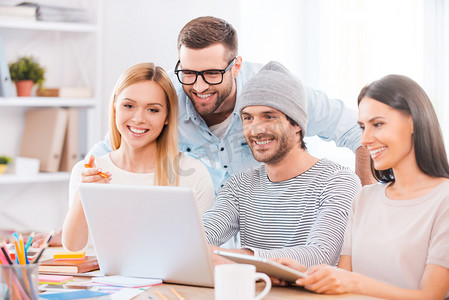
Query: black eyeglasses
{"points": [[212, 77]]}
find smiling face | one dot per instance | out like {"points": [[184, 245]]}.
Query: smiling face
{"points": [[141, 113], [268, 133], [207, 99], [387, 134]]}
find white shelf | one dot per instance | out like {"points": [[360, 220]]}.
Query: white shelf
{"points": [[47, 102], [41, 177], [48, 26], [71, 52]]}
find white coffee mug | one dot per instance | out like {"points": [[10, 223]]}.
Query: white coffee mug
{"points": [[238, 282]]}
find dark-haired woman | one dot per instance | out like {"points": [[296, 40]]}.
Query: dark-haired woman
{"points": [[397, 239]]}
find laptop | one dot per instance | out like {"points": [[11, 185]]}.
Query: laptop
{"points": [[148, 232]]}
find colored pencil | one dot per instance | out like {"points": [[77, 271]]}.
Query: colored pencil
{"points": [[99, 173], [16, 285], [180, 297], [30, 240], [162, 296], [43, 247]]}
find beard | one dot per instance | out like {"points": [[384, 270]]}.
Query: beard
{"points": [[274, 155], [205, 109]]}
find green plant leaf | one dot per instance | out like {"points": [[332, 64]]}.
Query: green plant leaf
{"points": [[27, 68], [4, 160]]}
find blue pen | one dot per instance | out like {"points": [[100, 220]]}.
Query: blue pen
{"points": [[26, 258]]}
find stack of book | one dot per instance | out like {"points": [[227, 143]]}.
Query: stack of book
{"points": [[33, 11], [19, 13], [69, 263], [52, 13]]}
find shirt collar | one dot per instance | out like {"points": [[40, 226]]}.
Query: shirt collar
{"points": [[191, 112]]}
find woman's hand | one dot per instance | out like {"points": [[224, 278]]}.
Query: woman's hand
{"points": [[325, 279], [39, 239], [91, 174]]}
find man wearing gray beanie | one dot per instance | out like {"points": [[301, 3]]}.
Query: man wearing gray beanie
{"points": [[294, 205]]}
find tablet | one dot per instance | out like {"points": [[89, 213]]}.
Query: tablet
{"points": [[267, 266]]}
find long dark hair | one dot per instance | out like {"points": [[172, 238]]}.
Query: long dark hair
{"points": [[405, 95]]}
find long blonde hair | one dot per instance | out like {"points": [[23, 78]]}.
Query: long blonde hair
{"points": [[167, 154]]}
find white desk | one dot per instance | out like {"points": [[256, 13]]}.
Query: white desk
{"points": [[201, 293], [276, 293]]}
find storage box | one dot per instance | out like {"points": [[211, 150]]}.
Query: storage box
{"points": [[26, 166]]}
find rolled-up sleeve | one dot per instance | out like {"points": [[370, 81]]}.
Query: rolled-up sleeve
{"points": [[331, 120]]}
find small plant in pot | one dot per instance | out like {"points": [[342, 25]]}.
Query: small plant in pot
{"points": [[26, 72], [4, 161]]}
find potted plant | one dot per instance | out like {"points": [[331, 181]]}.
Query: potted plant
{"points": [[26, 72], [4, 161]]}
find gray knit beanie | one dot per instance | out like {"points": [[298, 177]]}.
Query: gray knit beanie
{"points": [[276, 87]]}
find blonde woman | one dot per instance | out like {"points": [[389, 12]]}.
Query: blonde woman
{"points": [[143, 116]]}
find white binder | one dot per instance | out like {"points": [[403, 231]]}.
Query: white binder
{"points": [[6, 86]]}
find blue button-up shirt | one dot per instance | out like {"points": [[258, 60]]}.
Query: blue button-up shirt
{"points": [[328, 118]]}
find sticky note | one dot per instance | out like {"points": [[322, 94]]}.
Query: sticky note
{"points": [[54, 279], [79, 255]]}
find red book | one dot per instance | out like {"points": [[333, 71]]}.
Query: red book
{"points": [[69, 266]]}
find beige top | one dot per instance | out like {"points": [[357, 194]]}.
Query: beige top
{"points": [[393, 240], [192, 174]]}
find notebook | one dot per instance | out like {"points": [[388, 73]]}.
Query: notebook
{"points": [[147, 232], [89, 263]]}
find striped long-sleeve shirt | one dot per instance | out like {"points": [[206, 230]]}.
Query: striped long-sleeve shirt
{"points": [[303, 218]]}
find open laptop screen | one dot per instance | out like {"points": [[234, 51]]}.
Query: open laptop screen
{"points": [[147, 231]]}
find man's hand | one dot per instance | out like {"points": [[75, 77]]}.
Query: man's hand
{"points": [[219, 260], [291, 263], [55, 241]]}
